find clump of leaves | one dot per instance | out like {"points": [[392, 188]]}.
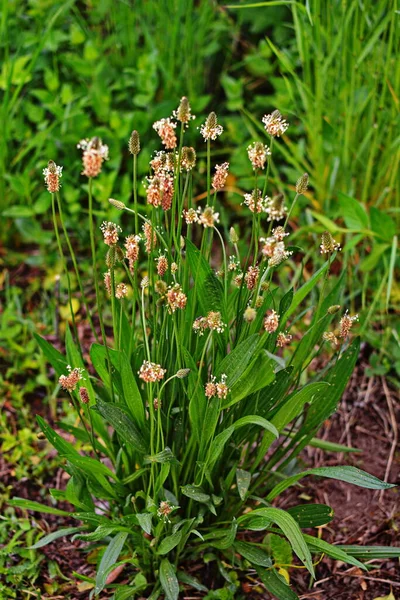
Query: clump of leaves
{"points": [[198, 402]]}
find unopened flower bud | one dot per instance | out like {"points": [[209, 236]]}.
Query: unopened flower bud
{"points": [[117, 204], [182, 373], [334, 309], [233, 236], [41, 436], [134, 143], [302, 184]]}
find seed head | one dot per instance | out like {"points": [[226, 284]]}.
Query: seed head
{"points": [[302, 184], [279, 255], [52, 175], [164, 510], [210, 130], [258, 154], [174, 267], [134, 143], [160, 287], [84, 395], [328, 244], [151, 372], [271, 322], [220, 389], [274, 124]]}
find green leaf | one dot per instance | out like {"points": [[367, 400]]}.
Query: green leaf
{"points": [[55, 358], [208, 288], [276, 584], [305, 289], [169, 581], [369, 552], [36, 506], [123, 425], [243, 479], [247, 383], [280, 549], [195, 493], [346, 473], [319, 545], [145, 522], [132, 396], [353, 212], [382, 223], [253, 553], [291, 530], [311, 515], [235, 363], [19, 211], [169, 543], [165, 456], [227, 540], [108, 559], [192, 581]]}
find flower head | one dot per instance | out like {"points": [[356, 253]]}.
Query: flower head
{"points": [[110, 232], [151, 372], [210, 130], [134, 143], [251, 277], [121, 291], [150, 237], [283, 339], [271, 322], [249, 314], [207, 217], [188, 158], [52, 175], [183, 112], [276, 208], [328, 244], [163, 162], [70, 381], [274, 124], [84, 395], [162, 265], [346, 323], [212, 321], [302, 184], [258, 154], [221, 174], [176, 298], [164, 510], [214, 388], [107, 282], [255, 202], [94, 154], [166, 130], [330, 337], [132, 250], [190, 216]]}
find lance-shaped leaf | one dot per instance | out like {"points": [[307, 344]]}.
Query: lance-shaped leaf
{"points": [[345, 473], [108, 559], [169, 581], [123, 425]]}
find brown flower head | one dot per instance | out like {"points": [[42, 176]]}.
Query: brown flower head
{"points": [[274, 124], [221, 174], [166, 130], [258, 154], [151, 372], [271, 322]]}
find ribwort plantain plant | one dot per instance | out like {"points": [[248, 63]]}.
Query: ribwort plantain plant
{"points": [[197, 395]]}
